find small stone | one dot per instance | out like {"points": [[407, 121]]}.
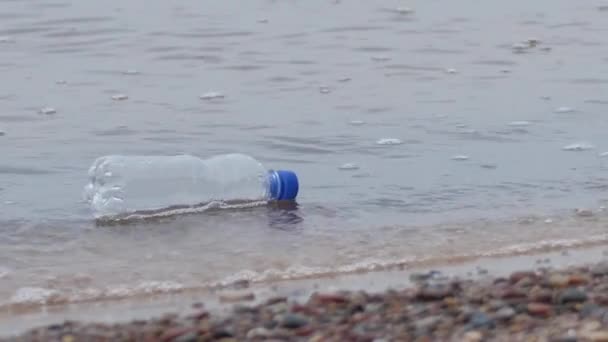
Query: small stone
{"points": [[258, 333], [480, 320], [236, 296], [434, 292], [591, 326], [294, 321], [173, 333], [48, 111], [119, 97], [572, 295], [460, 157], [451, 71], [427, 324], [472, 336], [357, 122], [189, 337], [539, 309], [517, 276], [596, 336], [600, 269], [548, 221], [558, 280], [583, 212], [504, 314], [330, 298], [578, 279]]}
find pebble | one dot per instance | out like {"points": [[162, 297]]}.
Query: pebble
{"points": [[583, 212], [472, 336], [211, 95], [596, 336], [460, 157], [542, 305], [505, 313], [48, 111], [357, 122], [539, 309], [451, 71], [572, 295], [427, 323], [236, 296], [294, 321], [119, 97]]}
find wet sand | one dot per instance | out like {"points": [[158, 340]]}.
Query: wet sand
{"points": [[555, 295]]}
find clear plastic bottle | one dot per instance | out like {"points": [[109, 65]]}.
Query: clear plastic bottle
{"points": [[122, 185]]}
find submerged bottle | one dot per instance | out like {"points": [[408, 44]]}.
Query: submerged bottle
{"points": [[122, 185]]}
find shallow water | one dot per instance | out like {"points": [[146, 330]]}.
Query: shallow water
{"points": [[455, 128]]}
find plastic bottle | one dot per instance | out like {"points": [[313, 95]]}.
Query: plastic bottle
{"points": [[122, 185]]}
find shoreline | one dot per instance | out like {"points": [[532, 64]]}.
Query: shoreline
{"points": [[219, 304]]}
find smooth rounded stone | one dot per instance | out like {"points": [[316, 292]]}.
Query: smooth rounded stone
{"points": [[577, 147], [572, 295], [236, 296], [600, 269], [211, 95], [258, 332], [119, 97], [349, 166], [480, 320], [558, 280], [434, 292], [427, 324], [581, 212], [472, 336], [48, 110], [357, 122], [451, 71], [517, 276], [189, 337], [540, 309], [595, 336], [389, 141], [294, 321], [504, 314]]}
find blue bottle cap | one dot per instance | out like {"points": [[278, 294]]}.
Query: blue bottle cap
{"points": [[284, 185]]}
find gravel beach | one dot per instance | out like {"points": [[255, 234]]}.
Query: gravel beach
{"points": [[568, 304]]}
